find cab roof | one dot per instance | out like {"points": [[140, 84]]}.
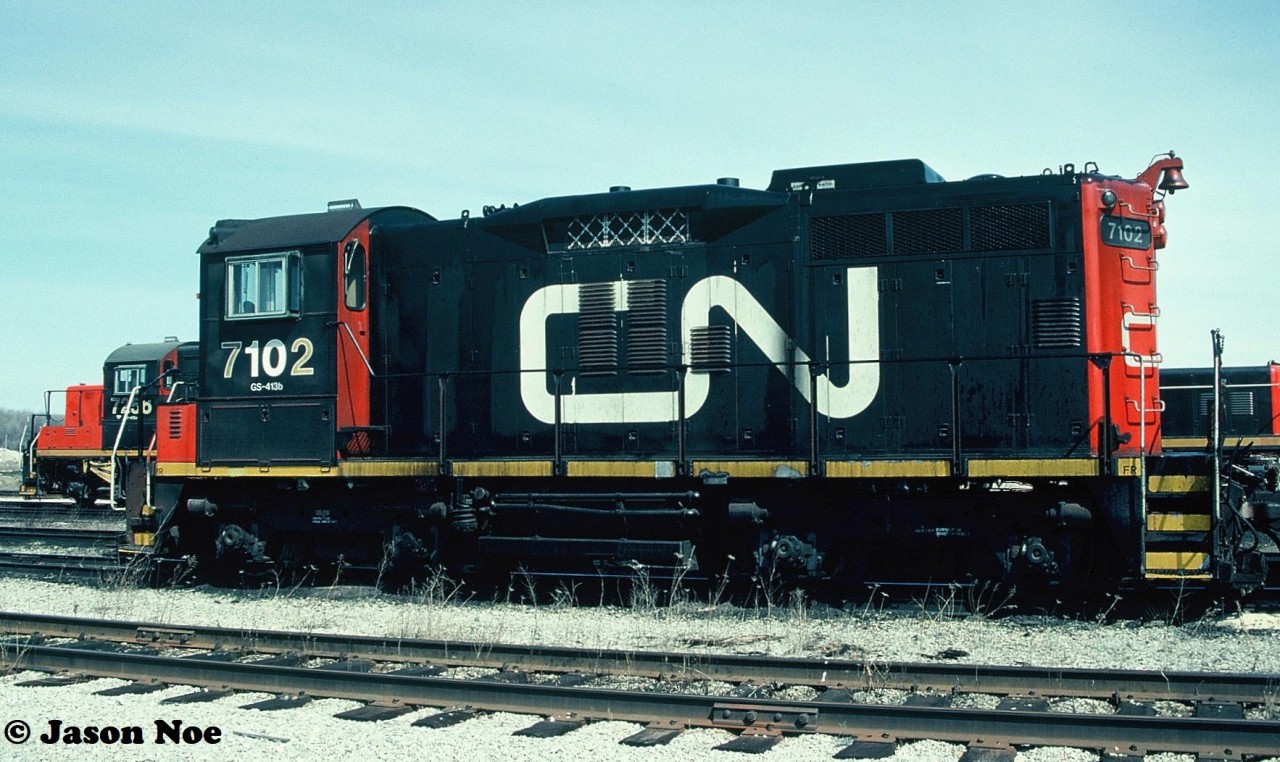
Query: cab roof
{"points": [[295, 230], [136, 353]]}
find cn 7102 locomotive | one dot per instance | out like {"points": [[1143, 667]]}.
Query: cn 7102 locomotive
{"points": [[861, 372]]}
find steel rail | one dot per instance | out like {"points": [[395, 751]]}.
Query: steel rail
{"points": [[959, 678], [1115, 732], [72, 535], [16, 499], [51, 508], [59, 565]]}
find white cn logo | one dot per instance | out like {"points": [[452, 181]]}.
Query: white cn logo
{"points": [[717, 291]]}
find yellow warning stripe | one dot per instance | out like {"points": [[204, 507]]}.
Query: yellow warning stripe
{"points": [[860, 469], [342, 469], [1183, 443], [789, 469], [51, 452], [1192, 443], [647, 469], [753, 469], [1176, 561], [502, 468], [1032, 467], [1178, 522], [1176, 484]]}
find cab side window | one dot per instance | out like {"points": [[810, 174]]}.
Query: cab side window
{"points": [[353, 278], [264, 285]]}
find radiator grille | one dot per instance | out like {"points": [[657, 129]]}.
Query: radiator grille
{"points": [[1056, 323], [1007, 227], [932, 231], [1013, 226], [852, 235]]}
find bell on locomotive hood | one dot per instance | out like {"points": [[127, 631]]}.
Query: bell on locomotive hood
{"points": [[1172, 180], [1166, 170]]}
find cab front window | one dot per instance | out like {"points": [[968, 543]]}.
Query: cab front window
{"points": [[127, 378], [265, 285]]}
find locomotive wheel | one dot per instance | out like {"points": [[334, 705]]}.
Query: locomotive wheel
{"points": [[235, 559], [408, 561]]}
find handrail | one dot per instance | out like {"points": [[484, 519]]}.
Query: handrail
{"points": [[1143, 409], [561, 398], [356, 344], [1154, 264], [31, 452], [115, 448], [1153, 314]]}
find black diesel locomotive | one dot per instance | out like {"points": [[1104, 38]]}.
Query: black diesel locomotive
{"points": [[1233, 414], [861, 372], [1248, 399], [106, 429]]}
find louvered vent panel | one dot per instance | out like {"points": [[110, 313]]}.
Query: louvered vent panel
{"points": [[1056, 323], [932, 231], [711, 349], [1009, 227], [647, 324], [1240, 403], [847, 236], [175, 426], [597, 328]]}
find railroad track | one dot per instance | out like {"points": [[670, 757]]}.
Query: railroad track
{"points": [[61, 534], [574, 686], [81, 567], [42, 506]]}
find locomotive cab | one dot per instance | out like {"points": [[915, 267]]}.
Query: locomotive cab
{"points": [[282, 315], [136, 378]]}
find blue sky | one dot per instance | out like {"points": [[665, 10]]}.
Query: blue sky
{"points": [[127, 129]]}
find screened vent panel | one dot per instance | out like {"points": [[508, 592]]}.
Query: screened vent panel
{"points": [[847, 236], [597, 328], [1057, 323], [932, 231], [1009, 227], [711, 349], [647, 324], [606, 230]]}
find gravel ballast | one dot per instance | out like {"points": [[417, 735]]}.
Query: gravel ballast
{"points": [[1245, 643]]}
